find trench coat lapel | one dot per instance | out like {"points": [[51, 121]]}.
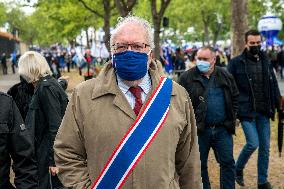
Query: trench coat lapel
{"points": [[121, 102], [107, 85]]}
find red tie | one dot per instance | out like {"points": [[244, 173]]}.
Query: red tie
{"points": [[136, 91]]}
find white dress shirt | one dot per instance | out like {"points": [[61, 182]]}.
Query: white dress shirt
{"points": [[145, 86]]}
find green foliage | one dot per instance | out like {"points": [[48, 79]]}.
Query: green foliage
{"points": [[278, 9], [256, 9], [2, 14], [16, 19], [143, 9], [62, 20], [197, 14]]}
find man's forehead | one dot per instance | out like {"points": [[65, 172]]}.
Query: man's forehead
{"points": [[254, 37], [203, 53], [131, 32]]}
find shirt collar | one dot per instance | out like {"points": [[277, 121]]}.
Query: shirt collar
{"points": [[145, 84]]}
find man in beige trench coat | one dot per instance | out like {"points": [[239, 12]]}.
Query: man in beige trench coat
{"points": [[101, 111]]}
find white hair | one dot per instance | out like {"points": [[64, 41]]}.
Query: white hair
{"points": [[136, 20], [33, 66]]}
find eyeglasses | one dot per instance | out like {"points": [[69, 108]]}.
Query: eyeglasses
{"points": [[137, 47], [254, 42]]}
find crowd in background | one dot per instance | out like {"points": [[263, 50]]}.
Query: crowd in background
{"points": [[175, 60], [30, 95]]}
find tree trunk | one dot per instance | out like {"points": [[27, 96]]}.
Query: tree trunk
{"points": [[157, 29], [157, 17], [239, 25], [106, 15], [203, 39], [206, 33], [87, 38], [216, 33], [72, 43], [205, 20], [124, 8], [106, 27]]}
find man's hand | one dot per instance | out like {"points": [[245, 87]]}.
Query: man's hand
{"points": [[53, 170], [238, 123], [65, 78]]}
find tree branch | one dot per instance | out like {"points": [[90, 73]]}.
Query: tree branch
{"points": [[154, 8], [125, 7], [203, 16], [164, 5], [131, 4], [90, 9], [112, 7]]}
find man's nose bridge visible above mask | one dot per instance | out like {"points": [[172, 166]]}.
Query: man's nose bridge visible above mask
{"points": [[129, 47]]}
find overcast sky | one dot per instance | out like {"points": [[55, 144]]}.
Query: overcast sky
{"points": [[28, 9]]}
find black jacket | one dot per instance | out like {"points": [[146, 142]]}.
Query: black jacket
{"points": [[191, 80], [238, 68], [280, 58], [22, 94], [45, 113], [15, 141]]}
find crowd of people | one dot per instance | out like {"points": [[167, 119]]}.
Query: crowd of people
{"points": [[276, 56], [182, 59], [61, 60], [156, 133], [13, 59]]}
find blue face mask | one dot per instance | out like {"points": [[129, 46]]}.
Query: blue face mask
{"points": [[130, 65], [203, 66]]}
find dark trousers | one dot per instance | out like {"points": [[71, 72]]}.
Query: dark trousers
{"points": [[68, 67], [13, 67], [4, 68], [281, 71], [221, 141]]}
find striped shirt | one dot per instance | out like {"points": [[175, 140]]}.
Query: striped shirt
{"points": [[145, 86]]}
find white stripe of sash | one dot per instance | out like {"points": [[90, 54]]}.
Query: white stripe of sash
{"points": [[129, 135], [142, 149]]}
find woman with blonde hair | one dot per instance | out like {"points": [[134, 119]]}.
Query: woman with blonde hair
{"points": [[45, 113]]}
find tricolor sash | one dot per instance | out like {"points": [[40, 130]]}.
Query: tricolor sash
{"points": [[137, 139]]}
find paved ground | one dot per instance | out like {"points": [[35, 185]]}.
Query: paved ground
{"points": [[276, 168], [6, 81]]}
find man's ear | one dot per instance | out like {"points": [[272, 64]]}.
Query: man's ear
{"points": [[214, 59], [151, 55]]}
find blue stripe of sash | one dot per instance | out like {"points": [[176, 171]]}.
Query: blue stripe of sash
{"points": [[138, 138]]}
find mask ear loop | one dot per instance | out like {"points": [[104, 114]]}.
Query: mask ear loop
{"points": [[112, 61], [149, 52]]}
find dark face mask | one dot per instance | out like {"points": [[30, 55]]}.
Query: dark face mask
{"points": [[255, 50]]}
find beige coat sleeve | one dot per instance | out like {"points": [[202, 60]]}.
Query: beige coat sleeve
{"points": [[187, 154], [69, 151]]}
